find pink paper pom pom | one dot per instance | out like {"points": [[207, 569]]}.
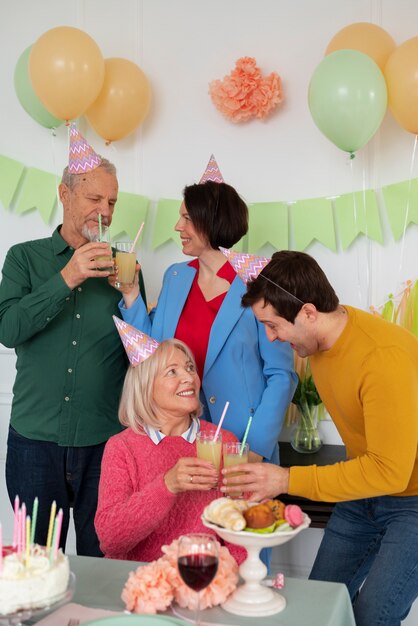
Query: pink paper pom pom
{"points": [[245, 93]]}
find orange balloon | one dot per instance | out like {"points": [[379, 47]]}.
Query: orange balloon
{"points": [[123, 101], [66, 68], [401, 73], [364, 37]]}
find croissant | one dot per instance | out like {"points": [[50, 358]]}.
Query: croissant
{"points": [[226, 513]]}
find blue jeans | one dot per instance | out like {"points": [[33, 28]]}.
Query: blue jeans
{"points": [[375, 542], [70, 476]]}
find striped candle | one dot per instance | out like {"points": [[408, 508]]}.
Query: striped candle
{"points": [[51, 524], [58, 532], [34, 518], [23, 528]]}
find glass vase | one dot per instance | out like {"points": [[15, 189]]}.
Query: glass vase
{"points": [[305, 436]]}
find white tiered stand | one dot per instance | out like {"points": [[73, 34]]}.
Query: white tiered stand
{"points": [[251, 598]]}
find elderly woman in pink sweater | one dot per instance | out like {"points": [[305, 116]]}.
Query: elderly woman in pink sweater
{"points": [[153, 488]]}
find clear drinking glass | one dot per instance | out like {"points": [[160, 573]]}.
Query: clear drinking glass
{"points": [[125, 262], [234, 454], [197, 562], [104, 236], [209, 448]]}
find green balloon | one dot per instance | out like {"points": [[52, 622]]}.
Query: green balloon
{"points": [[28, 98], [348, 98]]}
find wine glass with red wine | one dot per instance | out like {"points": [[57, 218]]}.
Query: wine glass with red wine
{"points": [[197, 562]]}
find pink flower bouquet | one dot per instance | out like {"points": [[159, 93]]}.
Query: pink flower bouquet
{"points": [[154, 586], [245, 93]]}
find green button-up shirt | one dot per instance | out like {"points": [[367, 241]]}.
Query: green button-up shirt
{"points": [[70, 360]]}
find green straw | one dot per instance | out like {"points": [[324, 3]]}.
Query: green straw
{"points": [[244, 439], [34, 516], [100, 227]]}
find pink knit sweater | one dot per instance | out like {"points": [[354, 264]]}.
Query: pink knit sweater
{"points": [[136, 513]]}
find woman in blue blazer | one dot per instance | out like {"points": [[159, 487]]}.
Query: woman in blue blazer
{"points": [[239, 365]]}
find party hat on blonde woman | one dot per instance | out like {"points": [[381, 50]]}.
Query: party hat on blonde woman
{"points": [[212, 172], [138, 345], [82, 158], [247, 266]]}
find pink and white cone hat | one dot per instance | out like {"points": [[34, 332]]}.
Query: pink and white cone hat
{"points": [[212, 172], [247, 266], [82, 158], [138, 345]]}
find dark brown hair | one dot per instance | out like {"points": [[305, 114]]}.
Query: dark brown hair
{"points": [[217, 212], [298, 279]]}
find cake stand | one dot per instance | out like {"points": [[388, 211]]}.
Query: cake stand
{"points": [[251, 598], [20, 617]]}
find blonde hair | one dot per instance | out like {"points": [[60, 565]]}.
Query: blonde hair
{"points": [[137, 406]]}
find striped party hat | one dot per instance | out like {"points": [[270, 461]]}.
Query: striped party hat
{"points": [[212, 172], [138, 345], [82, 158], [247, 266]]}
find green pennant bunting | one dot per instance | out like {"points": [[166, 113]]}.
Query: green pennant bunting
{"points": [[401, 201], [10, 175], [130, 211], [357, 213], [312, 219], [167, 215], [268, 223], [38, 191]]}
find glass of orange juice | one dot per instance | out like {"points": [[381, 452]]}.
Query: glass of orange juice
{"points": [[209, 448], [234, 453], [125, 262]]}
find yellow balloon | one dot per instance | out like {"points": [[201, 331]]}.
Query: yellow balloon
{"points": [[364, 37], [123, 101], [66, 68], [401, 73]]}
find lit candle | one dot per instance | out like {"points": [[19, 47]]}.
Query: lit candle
{"points": [[15, 521], [51, 524]]}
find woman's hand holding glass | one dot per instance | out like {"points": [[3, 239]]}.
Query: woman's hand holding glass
{"points": [[129, 292], [191, 474]]}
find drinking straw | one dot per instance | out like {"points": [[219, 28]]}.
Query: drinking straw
{"points": [[100, 227], [136, 238], [15, 526], [34, 518], [51, 523], [221, 420], [244, 439]]}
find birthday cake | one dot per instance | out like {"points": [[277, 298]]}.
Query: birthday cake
{"points": [[29, 581]]}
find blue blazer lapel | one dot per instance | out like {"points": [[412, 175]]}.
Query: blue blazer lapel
{"points": [[228, 315], [180, 283]]}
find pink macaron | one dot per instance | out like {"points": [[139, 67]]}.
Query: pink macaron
{"points": [[293, 515]]}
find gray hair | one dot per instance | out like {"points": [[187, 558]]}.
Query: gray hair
{"points": [[137, 406], [71, 180]]}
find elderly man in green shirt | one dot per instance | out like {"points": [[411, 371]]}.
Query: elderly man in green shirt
{"points": [[56, 308]]}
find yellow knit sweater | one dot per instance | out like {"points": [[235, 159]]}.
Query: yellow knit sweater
{"points": [[368, 382]]}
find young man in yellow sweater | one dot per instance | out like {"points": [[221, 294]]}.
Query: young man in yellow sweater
{"points": [[366, 372]]}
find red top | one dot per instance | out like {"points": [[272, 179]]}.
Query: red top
{"points": [[198, 315]]}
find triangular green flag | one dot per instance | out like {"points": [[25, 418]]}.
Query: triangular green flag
{"points": [[130, 211], [268, 224], [312, 219], [357, 213], [10, 175], [39, 191], [401, 201], [166, 216]]}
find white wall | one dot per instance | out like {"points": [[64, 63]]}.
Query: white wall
{"points": [[182, 45]]}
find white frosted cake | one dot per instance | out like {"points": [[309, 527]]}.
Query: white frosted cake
{"points": [[34, 584]]}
